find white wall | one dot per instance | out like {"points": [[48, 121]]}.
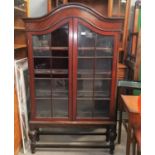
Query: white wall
{"points": [[38, 8]]}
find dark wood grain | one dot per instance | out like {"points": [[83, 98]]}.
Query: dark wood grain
{"points": [[73, 15]]}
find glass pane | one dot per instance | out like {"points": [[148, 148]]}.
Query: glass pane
{"points": [[84, 108], [104, 41], [60, 107], [59, 53], [60, 37], [85, 37], [59, 63], [42, 53], [104, 45], [102, 88], [103, 65], [104, 52], [43, 107], [59, 88], [95, 53], [85, 88], [85, 65], [86, 53], [100, 74], [50, 53], [43, 88], [41, 41], [85, 74], [101, 108], [42, 63]]}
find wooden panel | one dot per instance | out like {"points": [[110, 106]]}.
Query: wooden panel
{"points": [[20, 53], [134, 39], [126, 25], [18, 21], [17, 131], [27, 8], [19, 30], [65, 1], [121, 71], [138, 58], [110, 7], [49, 6], [19, 37]]}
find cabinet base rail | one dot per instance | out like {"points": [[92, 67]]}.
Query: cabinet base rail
{"points": [[110, 138], [71, 133]]}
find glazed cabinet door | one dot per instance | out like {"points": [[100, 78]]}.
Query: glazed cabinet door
{"points": [[94, 59], [52, 76]]}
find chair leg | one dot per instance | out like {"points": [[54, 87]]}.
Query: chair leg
{"points": [[120, 126], [134, 146], [138, 152], [128, 140]]}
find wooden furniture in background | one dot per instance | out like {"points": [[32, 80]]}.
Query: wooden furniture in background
{"points": [[133, 57], [110, 8], [132, 106], [17, 131], [137, 140], [72, 56], [99, 5], [124, 87], [21, 10], [121, 72]]}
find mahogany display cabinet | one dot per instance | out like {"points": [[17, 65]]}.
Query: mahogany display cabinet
{"points": [[72, 54]]}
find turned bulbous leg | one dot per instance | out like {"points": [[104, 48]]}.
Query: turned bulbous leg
{"points": [[112, 137], [33, 135]]}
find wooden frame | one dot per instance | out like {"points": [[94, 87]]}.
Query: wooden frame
{"points": [[74, 14], [21, 66]]}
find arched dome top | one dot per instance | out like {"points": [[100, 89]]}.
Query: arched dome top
{"points": [[73, 10]]}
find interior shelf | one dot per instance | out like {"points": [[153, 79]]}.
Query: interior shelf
{"points": [[56, 57], [94, 78], [47, 94], [64, 71], [55, 98], [18, 9], [50, 48], [17, 46], [95, 48], [87, 71], [95, 57], [51, 71], [20, 12], [90, 94], [95, 98], [18, 28], [66, 48]]}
